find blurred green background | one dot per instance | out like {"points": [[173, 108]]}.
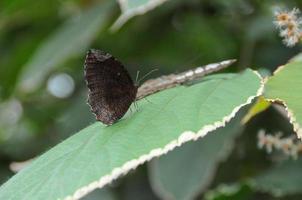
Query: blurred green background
{"points": [[43, 95]]}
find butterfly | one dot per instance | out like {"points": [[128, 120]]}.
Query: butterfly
{"points": [[111, 89]]}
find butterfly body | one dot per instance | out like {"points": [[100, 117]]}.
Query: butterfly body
{"points": [[111, 89]]}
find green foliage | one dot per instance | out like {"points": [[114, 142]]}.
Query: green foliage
{"points": [[285, 86], [70, 40], [41, 38], [229, 192], [134, 7], [100, 194], [260, 106], [283, 179], [194, 163], [98, 151]]}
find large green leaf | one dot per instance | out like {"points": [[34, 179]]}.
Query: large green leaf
{"points": [[285, 87], [98, 154], [283, 179], [194, 164], [131, 8], [70, 40]]}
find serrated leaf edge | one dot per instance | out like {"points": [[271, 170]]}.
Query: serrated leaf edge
{"points": [[290, 115], [183, 138], [164, 194]]}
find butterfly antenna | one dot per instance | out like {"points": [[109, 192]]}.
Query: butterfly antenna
{"points": [[153, 70]]}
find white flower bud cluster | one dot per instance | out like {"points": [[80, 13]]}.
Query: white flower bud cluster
{"points": [[290, 26], [287, 145]]}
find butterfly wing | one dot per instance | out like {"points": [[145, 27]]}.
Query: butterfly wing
{"points": [[111, 89]]}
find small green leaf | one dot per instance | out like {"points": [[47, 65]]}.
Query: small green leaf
{"points": [[285, 87], [257, 108], [283, 179], [99, 154], [186, 172], [131, 8], [70, 40]]}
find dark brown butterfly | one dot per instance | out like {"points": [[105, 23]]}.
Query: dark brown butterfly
{"points": [[111, 89]]}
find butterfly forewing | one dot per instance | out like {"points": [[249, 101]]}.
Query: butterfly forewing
{"points": [[111, 89]]}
